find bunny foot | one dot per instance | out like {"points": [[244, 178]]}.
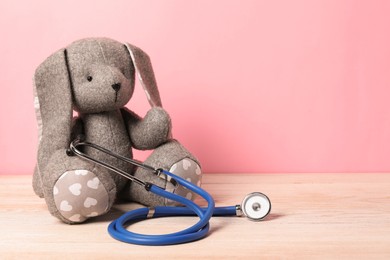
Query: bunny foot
{"points": [[171, 156], [189, 170], [79, 195]]}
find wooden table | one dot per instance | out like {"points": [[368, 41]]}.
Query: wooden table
{"points": [[343, 216]]}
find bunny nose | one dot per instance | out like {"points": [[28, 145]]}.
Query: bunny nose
{"points": [[116, 86]]}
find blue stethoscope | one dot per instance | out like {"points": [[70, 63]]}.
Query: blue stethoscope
{"points": [[255, 206]]}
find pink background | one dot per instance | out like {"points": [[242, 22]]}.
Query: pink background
{"points": [[252, 86]]}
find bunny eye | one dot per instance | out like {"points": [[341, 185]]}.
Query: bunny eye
{"points": [[89, 78]]}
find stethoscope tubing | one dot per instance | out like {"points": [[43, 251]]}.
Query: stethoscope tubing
{"points": [[117, 229]]}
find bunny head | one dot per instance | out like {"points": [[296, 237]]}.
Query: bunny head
{"points": [[89, 76], [101, 74]]}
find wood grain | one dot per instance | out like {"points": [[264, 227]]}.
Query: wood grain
{"points": [[343, 216]]}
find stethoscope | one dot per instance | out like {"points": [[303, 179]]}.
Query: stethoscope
{"points": [[255, 206]]}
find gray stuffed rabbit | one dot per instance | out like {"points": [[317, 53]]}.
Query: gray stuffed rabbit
{"points": [[95, 77]]}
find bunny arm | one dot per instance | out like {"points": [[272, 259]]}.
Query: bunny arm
{"points": [[148, 132]]}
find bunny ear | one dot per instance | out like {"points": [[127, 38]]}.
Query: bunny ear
{"points": [[53, 104], [145, 74]]}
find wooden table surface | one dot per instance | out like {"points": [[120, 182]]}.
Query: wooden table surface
{"points": [[343, 216]]}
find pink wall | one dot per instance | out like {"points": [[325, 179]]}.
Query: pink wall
{"points": [[252, 86]]}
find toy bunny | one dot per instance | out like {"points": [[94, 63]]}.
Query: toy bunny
{"points": [[95, 77]]}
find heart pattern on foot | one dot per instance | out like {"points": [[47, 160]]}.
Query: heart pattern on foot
{"points": [[189, 170], [79, 194]]}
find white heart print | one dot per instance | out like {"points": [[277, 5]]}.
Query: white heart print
{"points": [[89, 202], [93, 214], [81, 172], [189, 195], [65, 206], [75, 189], [75, 218], [198, 171], [94, 183], [186, 164]]}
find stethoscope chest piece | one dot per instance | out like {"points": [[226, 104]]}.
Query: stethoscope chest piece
{"points": [[256, 206]]}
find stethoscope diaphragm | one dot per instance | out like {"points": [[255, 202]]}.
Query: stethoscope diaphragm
{"points": [[256, 206]]}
